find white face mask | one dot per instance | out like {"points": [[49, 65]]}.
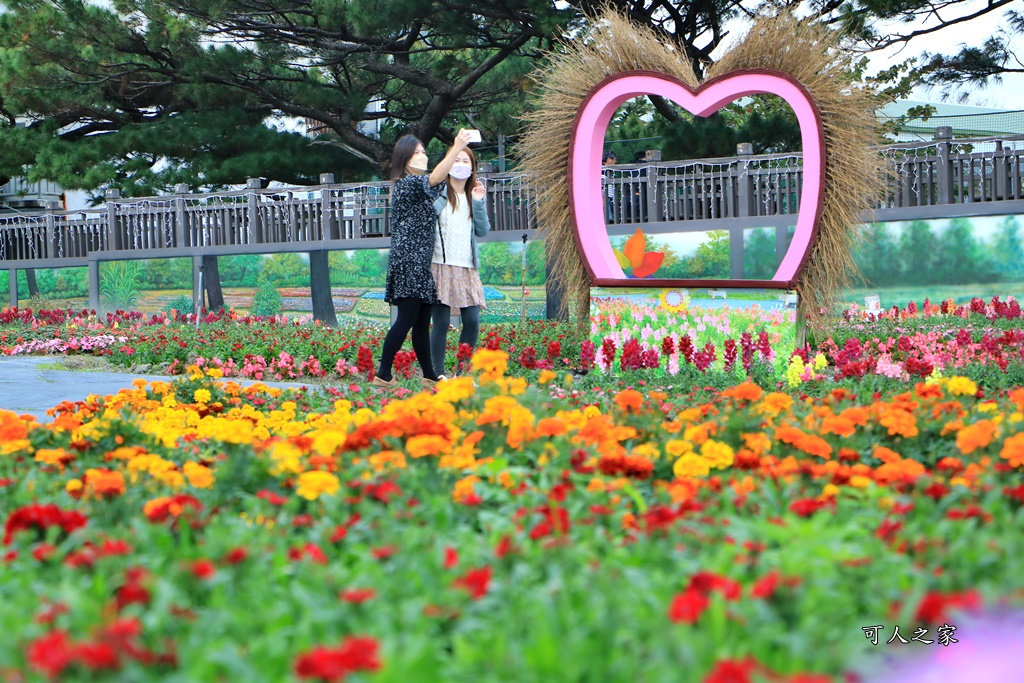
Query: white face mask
{"points": [[461, 171], [418, 162]]}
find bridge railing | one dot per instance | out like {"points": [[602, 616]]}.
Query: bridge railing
{"points": [[685, 195]]}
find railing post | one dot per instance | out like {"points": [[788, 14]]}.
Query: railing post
{"points": [[12, 276], [197, 283], [94, 285], [653, 203], [744, 181], [329, 229], [114, 236], [999, 172], [180, 215], [255, 223], [51, 227], [943, 136]]}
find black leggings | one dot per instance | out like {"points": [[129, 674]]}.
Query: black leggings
{"points": [[413, 314], [442, 316]]}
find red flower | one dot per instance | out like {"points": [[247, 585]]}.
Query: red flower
{"points": [[475, 581], [935, 605], [384, 552], [311, 551], [271, 497], [340, 532], [43, 552], [333, 664], [732, 671], [203, 569], [40, 518], [51, 654], [687, 606], [236, 556], [97, 656], [451, 557], [805, 507], [358, 595], [504, 547], [765, 587], [705, 582]]}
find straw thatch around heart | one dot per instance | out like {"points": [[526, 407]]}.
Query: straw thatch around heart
{"points": [[808, 52]]}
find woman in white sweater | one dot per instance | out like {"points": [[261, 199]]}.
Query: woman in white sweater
{"points": [[461, 218]]}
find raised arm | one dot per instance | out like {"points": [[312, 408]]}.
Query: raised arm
{"points": [[440, 171]]}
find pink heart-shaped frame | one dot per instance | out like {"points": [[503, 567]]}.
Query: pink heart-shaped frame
{"points": [[587, 142]]}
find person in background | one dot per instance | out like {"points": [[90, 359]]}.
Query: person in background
{"points": [[461, 218], [609, 199], [409, 285]]}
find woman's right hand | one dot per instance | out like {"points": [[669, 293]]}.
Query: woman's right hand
{"points": [[461, 140]]}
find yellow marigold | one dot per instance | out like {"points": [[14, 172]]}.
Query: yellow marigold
{"points": [[775, 403], [215, 373], [427, 444], [591, 412], [201, 396], [546, 376], [74, 487], [1013, 450], [497, 409], [313, 484], [961, 386], [387, 460], [490, 364], [691, 465], [104, 483], [464, 488], [678, 447], [859, 481], [698, 434], [718, 455], [629, 400], [55, 457], [286, 457], [198, 476], [647, 450], [975, 436]]}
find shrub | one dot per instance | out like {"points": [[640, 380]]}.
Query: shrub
{"points": [[267, 301]]}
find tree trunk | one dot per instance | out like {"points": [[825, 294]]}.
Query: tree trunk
{"points": [[211, 281], [554, 288], [30, 278], [320, 288]]}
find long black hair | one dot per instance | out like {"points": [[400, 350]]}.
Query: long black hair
{"points": [[404, 149]]}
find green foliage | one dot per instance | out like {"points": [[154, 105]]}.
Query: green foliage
{"points": [[759, 259], [181, 304], [119, 284], [267, 301]]}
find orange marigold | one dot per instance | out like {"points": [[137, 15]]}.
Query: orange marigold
{"points": [[104, 483], [975, 436], [887, 454], [1013, 450], [629, 400], [748, 391], [838, 425], [899, 422], [775, 403], [1017, 396], [550, 426]]}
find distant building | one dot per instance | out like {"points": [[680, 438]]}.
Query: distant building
{"points": [[21, 195]]}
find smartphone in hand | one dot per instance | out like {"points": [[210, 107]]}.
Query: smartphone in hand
{"points": [[474, 135]]}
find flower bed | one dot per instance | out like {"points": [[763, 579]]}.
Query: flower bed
{"points": [[201, 531]]}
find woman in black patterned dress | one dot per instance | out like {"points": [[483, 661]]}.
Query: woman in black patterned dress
{"points": [[409, 285]]}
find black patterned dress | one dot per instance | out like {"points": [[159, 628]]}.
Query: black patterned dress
{"points": [[413, 227]]}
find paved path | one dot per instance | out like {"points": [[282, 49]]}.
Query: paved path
{"points": [[25, 387]]}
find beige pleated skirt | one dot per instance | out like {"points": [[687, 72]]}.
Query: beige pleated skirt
{"points": [[458, 287]]}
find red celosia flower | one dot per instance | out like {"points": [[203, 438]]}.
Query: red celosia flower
{"points": [[687, 606], [358, 595], [333, 664], [97, 656], [476, 581], [766, 586], [43, 552]]}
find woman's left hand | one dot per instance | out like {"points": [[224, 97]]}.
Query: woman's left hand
{"points": [[479, 191]]}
